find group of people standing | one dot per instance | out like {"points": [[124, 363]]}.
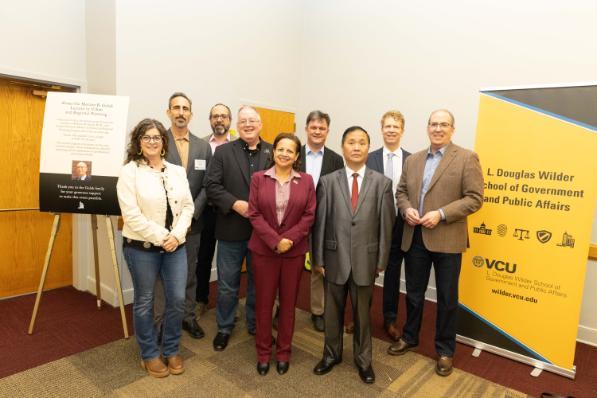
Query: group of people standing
{"points": [[355, 215]]}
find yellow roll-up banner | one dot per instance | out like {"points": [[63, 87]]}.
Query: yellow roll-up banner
{"points": [[522, 278]]}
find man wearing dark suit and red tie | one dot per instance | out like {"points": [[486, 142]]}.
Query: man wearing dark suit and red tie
{"points": [[351, 245], [227, 185], [388, 160], [440, 186], [281, 210], [318, 160]]}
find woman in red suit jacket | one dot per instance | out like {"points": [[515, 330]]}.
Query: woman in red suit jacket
{"points": [[281, 210]]}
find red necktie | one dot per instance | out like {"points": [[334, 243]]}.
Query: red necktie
{"points": [[355, 191]]}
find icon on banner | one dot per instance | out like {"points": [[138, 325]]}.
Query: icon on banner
{"points": [[81, 206], [567, 240], [543, 236], [502, 230], [521, 234], [481, 229], [478, 261]]}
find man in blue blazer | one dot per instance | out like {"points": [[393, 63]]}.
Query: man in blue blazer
{"points": [[388, 160]]}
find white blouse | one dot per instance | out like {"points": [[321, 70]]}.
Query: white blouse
{"points": [[142, 200]]}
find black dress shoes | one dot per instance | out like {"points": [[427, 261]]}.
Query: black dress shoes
{"points": [[318, 323], [262, 368], [325, 366], [401, 347], [195, 331], [221, 341], [282, 367], [367, 375]]}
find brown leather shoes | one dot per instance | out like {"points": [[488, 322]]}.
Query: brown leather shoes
{"points": [[392, 331], [175, 364], [401, 347], [155, 367], [444, 366]]}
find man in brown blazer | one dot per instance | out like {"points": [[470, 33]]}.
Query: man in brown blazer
{"points": [[440, 186]]}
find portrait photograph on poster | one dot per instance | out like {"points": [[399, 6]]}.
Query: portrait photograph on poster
{"points": [[82, 149]]}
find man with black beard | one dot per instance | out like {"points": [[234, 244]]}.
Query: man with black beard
{"points": [[220, 118]]}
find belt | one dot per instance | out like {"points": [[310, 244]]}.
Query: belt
{"points": [[147, 246]]}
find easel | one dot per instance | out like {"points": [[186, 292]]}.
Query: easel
{"points": [[42, 280]]}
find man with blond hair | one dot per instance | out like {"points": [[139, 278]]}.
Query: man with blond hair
{"points": [[388, 160]]}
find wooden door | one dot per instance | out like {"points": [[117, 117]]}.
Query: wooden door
{"points": [[275, 122], [24, 234]]}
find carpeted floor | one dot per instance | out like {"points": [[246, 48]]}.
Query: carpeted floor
{"points": [[113, 370]]}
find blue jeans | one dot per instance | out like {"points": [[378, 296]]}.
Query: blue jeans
{"points": [[145, 267], [229, 263]]}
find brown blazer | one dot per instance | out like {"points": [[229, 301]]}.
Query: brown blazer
{"points": [[456, 188]]}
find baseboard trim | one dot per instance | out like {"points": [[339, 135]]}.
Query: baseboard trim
{"points": [[109, 294], [587, 335]]}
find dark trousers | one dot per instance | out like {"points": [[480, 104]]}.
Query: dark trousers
{"points": [[391, 278], [335, 301], [417, 271], [275, 276], [206, 254]]}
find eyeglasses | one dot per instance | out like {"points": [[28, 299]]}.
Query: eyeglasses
{"points": [[216, 117], [443, 125], [247, 121], [151, 138]]}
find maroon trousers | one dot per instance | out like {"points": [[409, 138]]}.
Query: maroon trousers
{"points": [[274, 275]]}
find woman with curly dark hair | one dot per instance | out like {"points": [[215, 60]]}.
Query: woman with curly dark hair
{"points": [[157, 208]]}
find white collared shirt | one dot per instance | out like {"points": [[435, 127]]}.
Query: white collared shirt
{"points": [[313, 163], [396, 169], [361, 175]]}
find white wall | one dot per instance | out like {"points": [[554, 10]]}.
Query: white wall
{"points": [[232, 52], [364, 58], [44, 40]]}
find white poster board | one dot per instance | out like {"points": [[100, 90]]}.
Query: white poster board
{"points": [[82, 151]]}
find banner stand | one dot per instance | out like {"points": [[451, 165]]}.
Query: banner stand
{"points": [[538, 366], [98, 288], [42, 280]]}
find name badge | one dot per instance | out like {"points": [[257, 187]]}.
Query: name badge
{"points": [[200, 164]]}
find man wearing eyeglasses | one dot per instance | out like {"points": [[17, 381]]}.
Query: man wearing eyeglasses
{"points": [[227, 184], [194, 154], [439, 188], [220, 119]]}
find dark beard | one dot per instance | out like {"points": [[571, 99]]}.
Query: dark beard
{"points": [[219, 130]]}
